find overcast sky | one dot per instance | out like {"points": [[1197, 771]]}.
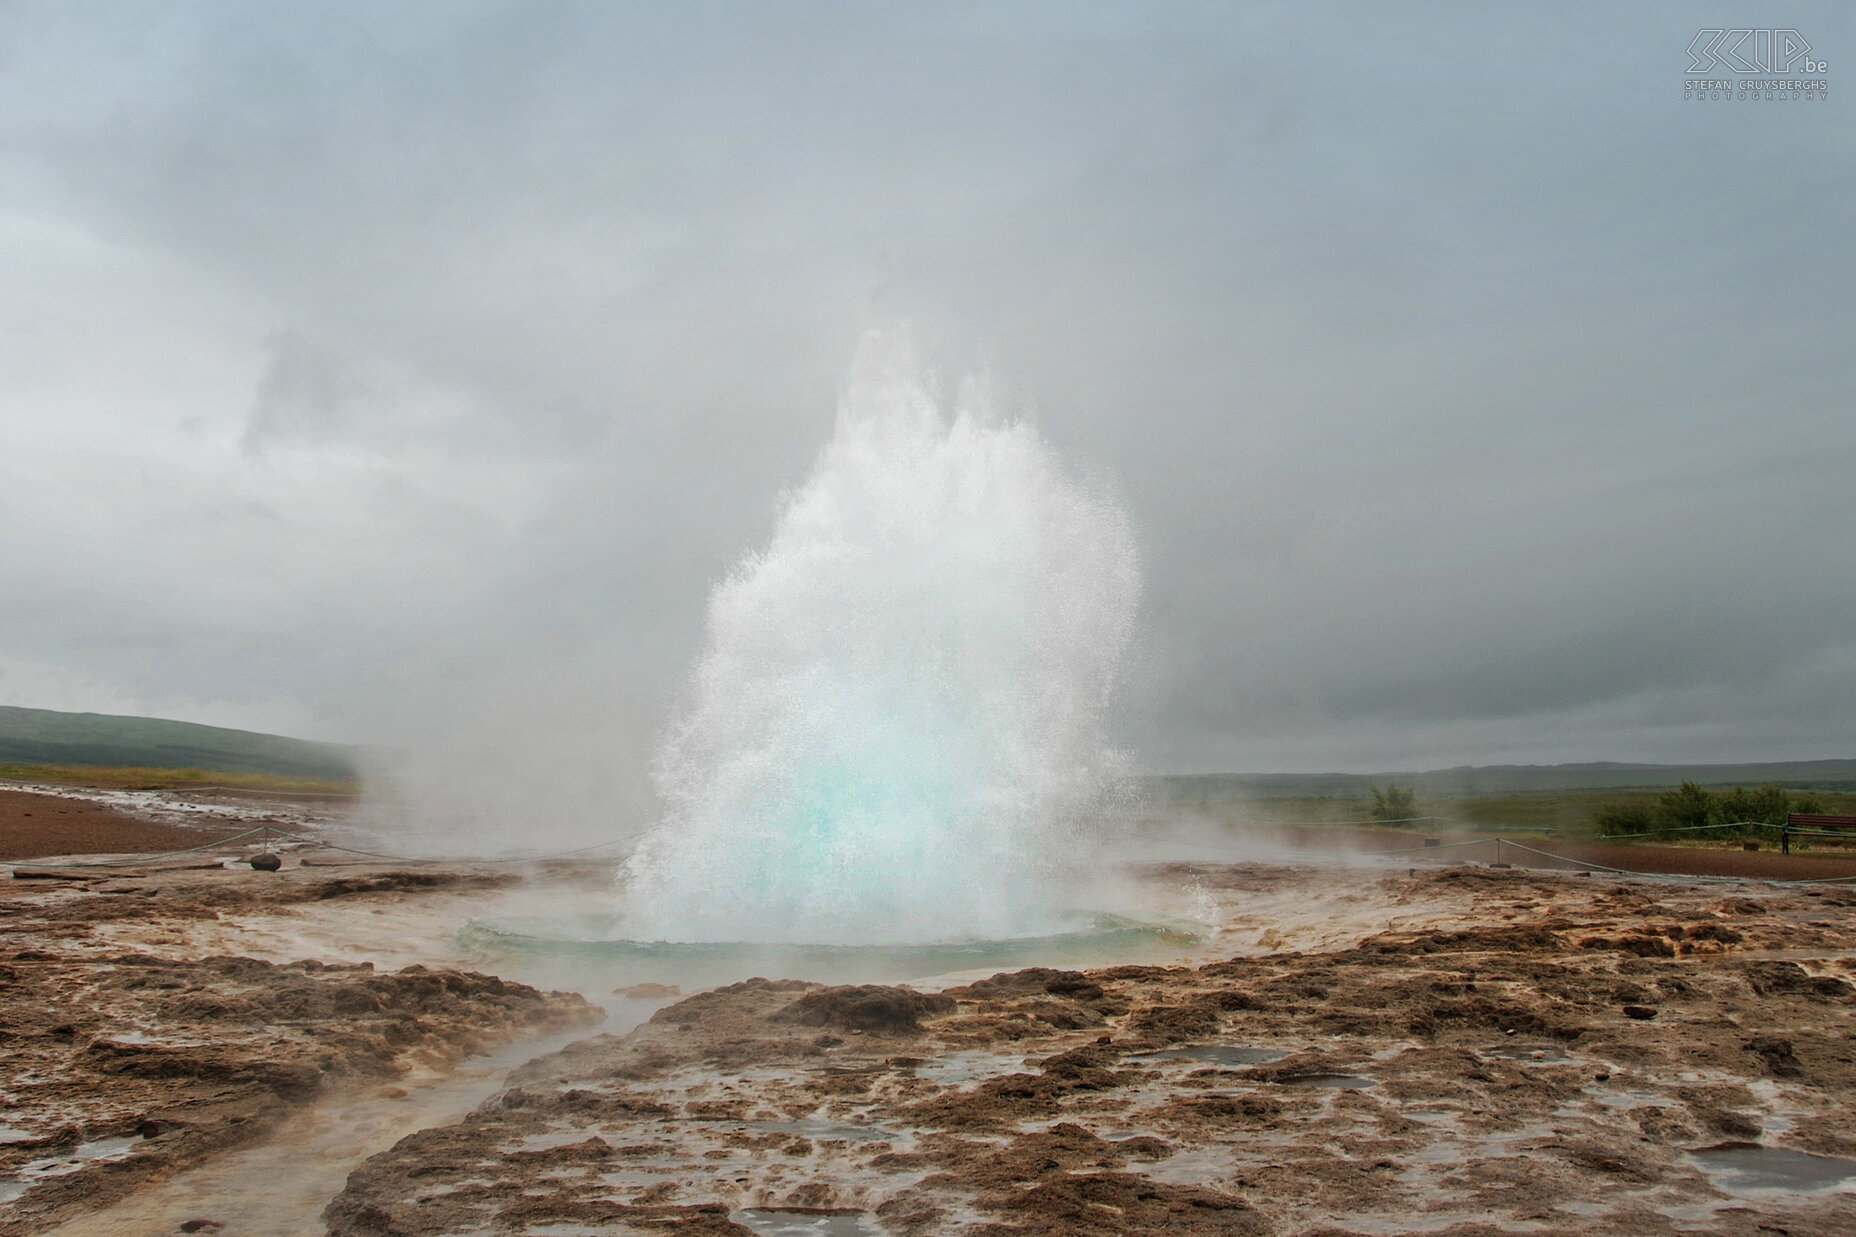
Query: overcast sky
{"points": [[408, 372]]}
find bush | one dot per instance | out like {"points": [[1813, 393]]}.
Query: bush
{"points": [[1687, 807], [1766, 804], [1690, 807], [1627, 818], [1395, 804]]}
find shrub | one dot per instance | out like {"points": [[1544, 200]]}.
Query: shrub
{"points": [[1691, 807], [1765, 804], [1626, 818], [1395, 804], [1687, 807]]}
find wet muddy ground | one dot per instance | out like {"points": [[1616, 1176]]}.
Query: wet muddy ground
{"points": [[1460, 1050], [120, 1066]]}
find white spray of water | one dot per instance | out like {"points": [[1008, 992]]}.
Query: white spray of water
{"points": [[897, 725]]}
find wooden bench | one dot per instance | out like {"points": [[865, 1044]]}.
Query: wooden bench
{"points": [[1813, 822]]}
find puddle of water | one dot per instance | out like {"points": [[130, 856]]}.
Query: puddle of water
{"points": [[825, 1130], [1214, 1054], [1448, 1117], [165, 1041], [1343, 1082], [1197, 1167], [958, 1067], [1633, 1099], [1526, 1053], [1794, 955], [1694, 1213], [774, 1222], [58, 1165], [1749, 1166]]}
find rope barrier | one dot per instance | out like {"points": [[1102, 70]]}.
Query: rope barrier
{"points": [[1407, 850], [147, 858], [260, 790], [1786, 832], [1581, 863], [1808, 880], [54, 787], [1738, 824], [1498, 842], [272, 830], [560, 854], [1327, 824]]}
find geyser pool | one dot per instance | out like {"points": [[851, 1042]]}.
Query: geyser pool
{"points": [[591, 953], [897, 721]]}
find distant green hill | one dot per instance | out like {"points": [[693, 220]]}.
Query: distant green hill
{"points": [[45, 737], [1470, 780]]}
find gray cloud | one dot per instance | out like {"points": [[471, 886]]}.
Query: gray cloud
{"points": [[395, 369]]}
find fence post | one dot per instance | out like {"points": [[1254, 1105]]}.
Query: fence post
{"points": [[1785, 837]]}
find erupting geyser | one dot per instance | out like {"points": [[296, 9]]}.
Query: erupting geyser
{"points": [[898, 718]]}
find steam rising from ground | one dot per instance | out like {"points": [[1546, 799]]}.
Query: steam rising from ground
{"points": [[897, 722]]}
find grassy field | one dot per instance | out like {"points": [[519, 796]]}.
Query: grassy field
{"points": [[141, 778], [47, 737], [1484, 781]]}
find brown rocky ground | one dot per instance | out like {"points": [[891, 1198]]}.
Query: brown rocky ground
{"points": [[1581, 1055], [1465, 1050], [119, 1068]]}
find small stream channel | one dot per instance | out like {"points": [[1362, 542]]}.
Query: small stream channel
{"points": [[279, 1187]]}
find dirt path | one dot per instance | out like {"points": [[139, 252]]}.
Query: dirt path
{"points": [[37, 826], [1711, 861]]}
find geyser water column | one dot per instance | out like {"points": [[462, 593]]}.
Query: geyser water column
{"points": [[897, 722]]}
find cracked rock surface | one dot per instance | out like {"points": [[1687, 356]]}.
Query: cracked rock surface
{"points": [[1575, 1055]]}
